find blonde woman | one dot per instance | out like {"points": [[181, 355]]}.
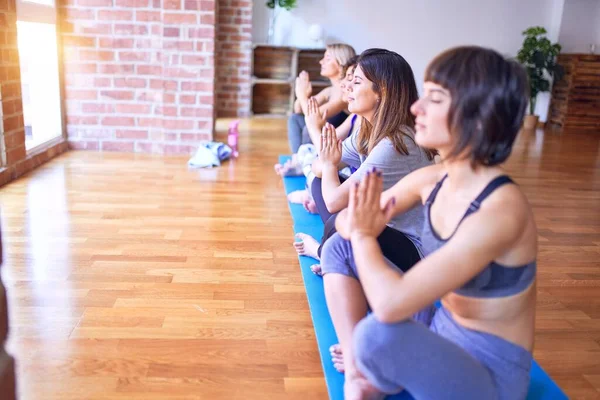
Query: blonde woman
{"points": [[330, 99]]}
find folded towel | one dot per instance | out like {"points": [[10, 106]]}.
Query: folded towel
{"points": [[210, 154]]}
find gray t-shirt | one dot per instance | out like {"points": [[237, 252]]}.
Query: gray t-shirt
{"points": [[393, 166]]}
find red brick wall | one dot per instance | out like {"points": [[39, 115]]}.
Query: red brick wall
{"points": [[234, 52], [10, 86], [139, 74]]}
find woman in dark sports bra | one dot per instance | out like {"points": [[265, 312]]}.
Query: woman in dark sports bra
{"points": [[479, 242]]}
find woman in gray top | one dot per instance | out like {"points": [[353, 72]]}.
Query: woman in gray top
{"points": [[381, 93]]}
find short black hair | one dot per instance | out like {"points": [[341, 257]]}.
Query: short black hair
{"points": [[489, 99]]}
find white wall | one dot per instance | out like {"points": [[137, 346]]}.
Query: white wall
{"points": [[418, 30], [598, 31], [580, 26]]}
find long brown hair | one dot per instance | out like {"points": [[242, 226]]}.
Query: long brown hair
{"points": [[394, 82]]}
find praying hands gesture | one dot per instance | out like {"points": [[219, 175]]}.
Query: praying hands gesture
{"points": [[364, 216], [314, 119], [330, 152], [303, 87]]}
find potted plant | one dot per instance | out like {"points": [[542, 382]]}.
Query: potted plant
{"points": [[287, 4], [538, 55], [273, 4]]}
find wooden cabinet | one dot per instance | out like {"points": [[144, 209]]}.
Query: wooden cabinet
{"points": [[575, 103], [274, 70]]}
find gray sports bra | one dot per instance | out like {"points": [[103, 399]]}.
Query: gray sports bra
{"points": [[495, 280]]}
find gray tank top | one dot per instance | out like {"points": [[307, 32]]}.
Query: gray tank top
{"points": [[393, 166]]}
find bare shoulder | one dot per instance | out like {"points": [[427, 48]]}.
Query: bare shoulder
{"points": [[509, 211], [508, 201], [325, 94], [335, 95], [503, 230], [427, 178]]}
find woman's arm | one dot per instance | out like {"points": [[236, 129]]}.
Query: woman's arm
{"points": [[329, 100], [323, 96], [394, 297], [333, 107], [323, 100], [315, 121], [297, 107], [334, 102], [406, 194], [343, 131], [385, 158], [317, 168], [303, 91], [413, 189], [335, 195]]}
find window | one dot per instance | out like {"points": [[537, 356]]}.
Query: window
{"points": [[38, 53]]}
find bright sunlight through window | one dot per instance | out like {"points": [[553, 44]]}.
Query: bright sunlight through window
{"points": [[39, 81]]}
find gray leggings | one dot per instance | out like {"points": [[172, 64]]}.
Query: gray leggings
{"points": [[297, 132], [442, 361], [337, 258], [430, 355]]}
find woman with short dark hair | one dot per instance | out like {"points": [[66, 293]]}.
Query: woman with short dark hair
{"points": [[479, 240]]}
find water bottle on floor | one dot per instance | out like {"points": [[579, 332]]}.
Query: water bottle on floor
{"points": [[233, 137]]}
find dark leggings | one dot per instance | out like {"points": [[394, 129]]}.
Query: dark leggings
{"points": [[317, 194], [394, 244]]}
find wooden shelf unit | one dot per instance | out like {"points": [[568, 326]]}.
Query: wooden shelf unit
{"points": [[274, 71], [575, 102]]}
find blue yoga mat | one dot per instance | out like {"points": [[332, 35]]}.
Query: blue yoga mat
{"points": [[540, 387]]}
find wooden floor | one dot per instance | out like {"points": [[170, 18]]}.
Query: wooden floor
{"points": [[132, 277]]}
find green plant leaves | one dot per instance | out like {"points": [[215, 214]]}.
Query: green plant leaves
{"points": [[287, 4], [538, 55]]}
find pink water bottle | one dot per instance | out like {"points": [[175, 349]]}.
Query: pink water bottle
{"points": [[233, 136]]}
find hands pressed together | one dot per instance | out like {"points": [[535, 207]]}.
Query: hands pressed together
{"points": [[330, 152], [364, 216], [303, 87], [314, 119]]}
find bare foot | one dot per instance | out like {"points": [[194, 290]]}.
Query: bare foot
{"points": [[357, 387], [310, 206], [307, 246], [279, 167], [316, 269], [286, 165], [337, 358], [289, 168], [298, 196]]}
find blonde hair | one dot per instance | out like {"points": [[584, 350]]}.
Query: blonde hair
{"points": [[341, 52]]}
